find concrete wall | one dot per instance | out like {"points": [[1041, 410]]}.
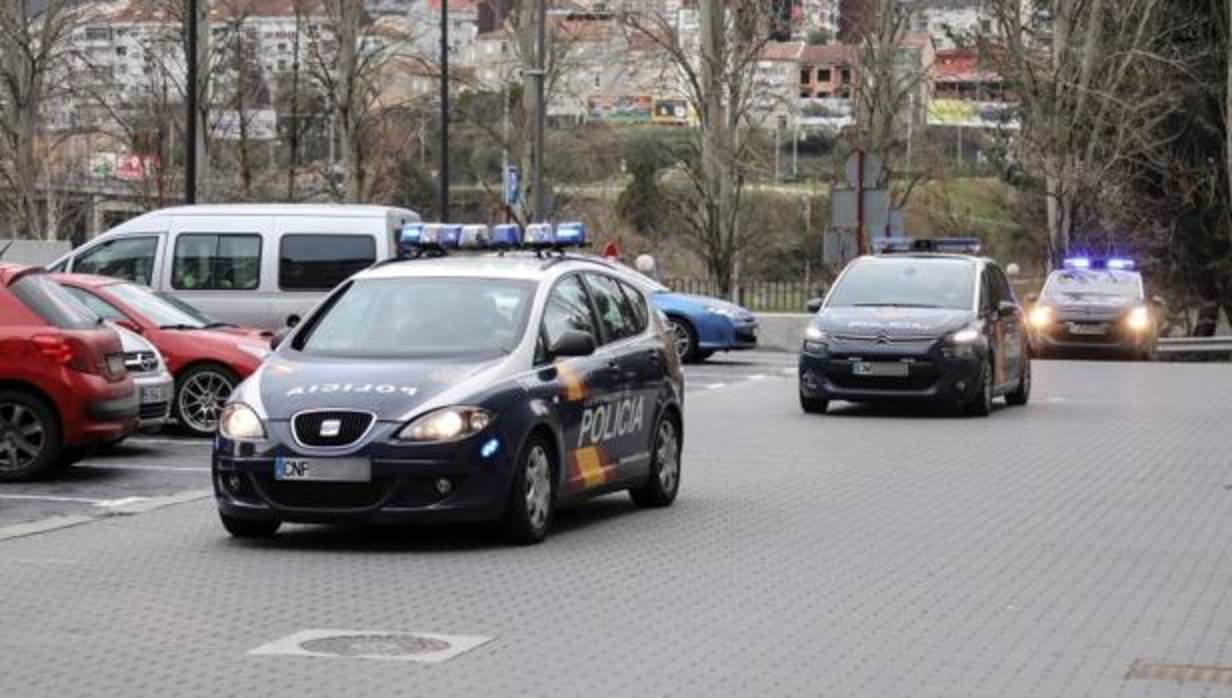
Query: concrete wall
{"points": [[781, 331]]}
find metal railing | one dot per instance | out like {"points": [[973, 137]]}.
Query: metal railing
{"points": [[1195, 345], [757, 296]]}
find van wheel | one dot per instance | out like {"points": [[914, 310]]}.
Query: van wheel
{"points": [[30, 442], [200, 393]]}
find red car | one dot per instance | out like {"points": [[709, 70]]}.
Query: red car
{"points": [[63, 385], [208, 359]]}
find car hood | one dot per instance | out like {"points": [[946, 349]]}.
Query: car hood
{"points": [[1089, 301], [699, 302], [392, 389], [893, 322]]}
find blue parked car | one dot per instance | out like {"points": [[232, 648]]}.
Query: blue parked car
{"points": [[701, 325]]}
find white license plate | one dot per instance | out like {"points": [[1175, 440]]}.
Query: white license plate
{"points": [[1080, 328], [323, 469], [879, 368], [160, 393]]}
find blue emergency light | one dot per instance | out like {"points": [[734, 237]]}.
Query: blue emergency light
{"points": [[1114, 263], [506, 236], [540, 235], [411, 234], [435, 238], [1077, 263], [572, 234], [1124, 264]]}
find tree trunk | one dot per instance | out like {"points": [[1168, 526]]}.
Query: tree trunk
{"points": [[345, 107], [714, 126]]}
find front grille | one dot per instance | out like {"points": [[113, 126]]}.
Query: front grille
{"points": [[351, 426], [323, 495], [921, 376], [154, 410]]}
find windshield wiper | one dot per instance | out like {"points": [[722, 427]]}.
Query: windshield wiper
{"points": [[893, 305], [216, 325], [179, 327]]}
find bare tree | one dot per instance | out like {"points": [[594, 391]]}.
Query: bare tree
{"points": [[33, 51], [714, 71]]}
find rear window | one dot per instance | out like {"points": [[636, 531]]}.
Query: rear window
{"points": [[321, 262], [50, 301]]}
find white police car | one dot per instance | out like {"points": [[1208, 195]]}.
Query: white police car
{"points": [[451, 387]]}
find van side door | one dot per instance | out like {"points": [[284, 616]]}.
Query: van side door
{"points": [[214, 263], [313, 255]]}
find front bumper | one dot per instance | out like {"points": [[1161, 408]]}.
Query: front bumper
{"points": [[930, 375], [1066, 335], [155, 392], [720, 333], [403, 487]]}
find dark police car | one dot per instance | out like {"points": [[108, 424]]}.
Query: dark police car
{"points": [[1094, 305], [451, 388], [917, 325]]}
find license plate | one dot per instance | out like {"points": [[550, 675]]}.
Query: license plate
{"points": [[323, 469], [158, 393], [1080, 328], [879, 368]]}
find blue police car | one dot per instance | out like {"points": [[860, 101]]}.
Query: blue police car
{"points": [[451, 387]]}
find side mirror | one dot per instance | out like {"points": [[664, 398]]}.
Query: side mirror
{"points": [[129, 325], [1007, 309], [573, 343], [814, 304], [277, 338]]}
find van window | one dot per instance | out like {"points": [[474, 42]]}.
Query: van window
{"points": [[210, 261], [130, 258], [321, 262]]}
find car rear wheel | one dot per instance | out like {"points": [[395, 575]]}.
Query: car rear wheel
{"points": [[200, 393], [684, 337], [981, 404], [664, 480], [813, 405], [29, 436], [250, 528], [532, 499]]}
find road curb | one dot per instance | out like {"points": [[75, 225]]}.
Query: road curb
{"points": [[56, 523]]}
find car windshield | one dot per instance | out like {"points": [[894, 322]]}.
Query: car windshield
{"points": [[421, 318], [188, 309], [154, 308], [906, 283], [1077, 285]]}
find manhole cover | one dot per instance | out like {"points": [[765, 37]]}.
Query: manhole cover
{"points": [[372, 644], [1184, 673], [384, 645]]}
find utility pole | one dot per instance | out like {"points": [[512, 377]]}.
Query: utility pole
{"points": [[190, 118], [539, 73], [444, 173]]}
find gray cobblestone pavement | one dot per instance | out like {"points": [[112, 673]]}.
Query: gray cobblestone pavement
{"points": [[1038, 552]]}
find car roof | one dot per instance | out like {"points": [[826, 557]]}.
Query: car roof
{"points": [[87, 280], [278, 210], [520, 265]]}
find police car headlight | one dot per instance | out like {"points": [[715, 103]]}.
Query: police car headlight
{"points": [[1139, 319], [239, 422], [816, 341], [1041, 317], [967, 335], [724, 311], [448, 424]]}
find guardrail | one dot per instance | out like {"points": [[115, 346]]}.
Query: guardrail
{"points": [[1195, 345]]}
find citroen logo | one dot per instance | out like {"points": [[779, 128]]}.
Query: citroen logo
{"points": [[331, 427], [882, 339]]}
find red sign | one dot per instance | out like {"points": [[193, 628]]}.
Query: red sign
{"points": [[610, 250]]}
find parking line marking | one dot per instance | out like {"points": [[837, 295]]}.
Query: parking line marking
{"points": [[716, 386], [155, 468], [117, 503], [174, 442], [757, 377], [50, 498]]}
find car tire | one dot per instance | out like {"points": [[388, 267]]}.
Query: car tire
{"points": [[981, 404], [1021, 394], [199, 395], [250, 528], [663, 482], [532, 494], [813, 405], [30, 438], [684, 338]]}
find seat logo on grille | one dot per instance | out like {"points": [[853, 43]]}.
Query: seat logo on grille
{"points": [[331, 428]]}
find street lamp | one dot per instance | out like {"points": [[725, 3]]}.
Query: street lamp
{"points": [[190, 123], [444, 174]]}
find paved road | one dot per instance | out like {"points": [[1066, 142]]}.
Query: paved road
{"points": [[1039, 552]]}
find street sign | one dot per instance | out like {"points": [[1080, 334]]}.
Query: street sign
{"points": [[838, 246], [872, 170], [844, 213], [611, 250], [512, 186]]}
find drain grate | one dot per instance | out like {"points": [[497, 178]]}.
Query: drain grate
{"points": [[1183, 673], [372, 644]]}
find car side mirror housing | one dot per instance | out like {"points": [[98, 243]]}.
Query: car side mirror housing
{"points": [[1031, 297], [573, 343], [1007, 309], [1158, 300], [278, 337], [292, 320], [814, 304], [130, 325]]}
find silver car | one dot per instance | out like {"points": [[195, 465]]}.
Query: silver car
{"points": [[155, 386]]}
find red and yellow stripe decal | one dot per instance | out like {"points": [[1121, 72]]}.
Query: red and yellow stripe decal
{"points": [[587, 468], [575, 389]]}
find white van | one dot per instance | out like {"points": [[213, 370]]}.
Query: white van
{"points": [[246, 264]]}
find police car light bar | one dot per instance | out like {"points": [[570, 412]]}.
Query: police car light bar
{"points": [[955, 245], [1077, 263], [539, 236], [1124, 264], [1116, 263]]}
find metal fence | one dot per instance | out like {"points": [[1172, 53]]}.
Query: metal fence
{"points": [[757, 296]]}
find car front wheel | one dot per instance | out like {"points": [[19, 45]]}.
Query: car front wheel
{"points": [[664, 480], [532, 499], [200, 393]]}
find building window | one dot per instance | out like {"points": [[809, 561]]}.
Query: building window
{"points": [[282, 47], [806, 76], [98, 33], [823, 75], [824, 95], [805, 94], [845, 75], [282, 65], [986, 26], [121, 51], [598, 82]]}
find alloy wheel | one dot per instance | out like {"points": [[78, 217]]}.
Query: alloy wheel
{"points": [[23, 436], [202, 398], [668, 456], [538, 487], [682, 339]]}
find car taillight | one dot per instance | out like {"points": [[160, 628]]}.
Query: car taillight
{"points": [[57, 350], [77, 355]]}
